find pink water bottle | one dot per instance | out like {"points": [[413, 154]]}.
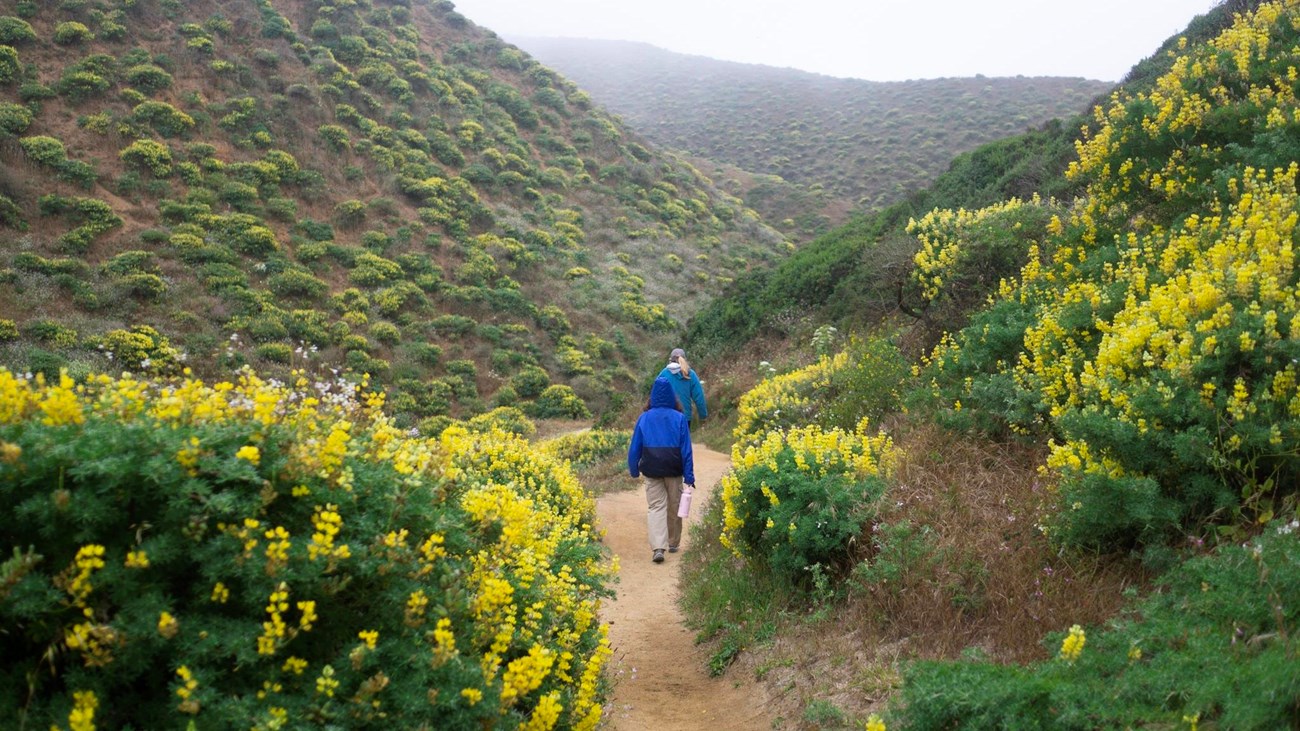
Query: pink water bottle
{"points": [[684, 507]]}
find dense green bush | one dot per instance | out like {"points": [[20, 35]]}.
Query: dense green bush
{"points": [[70, 32], [15, 31], [150, 155], [798, 500], [167, 120], [10, 68], [230, 556], [148, 78], [14, 119], [558, 402]]}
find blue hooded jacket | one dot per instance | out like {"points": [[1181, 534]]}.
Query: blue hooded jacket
{"points": [[690, 393], [661, 441]]}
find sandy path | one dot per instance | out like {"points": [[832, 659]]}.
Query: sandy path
{"points": [[660, 676]]}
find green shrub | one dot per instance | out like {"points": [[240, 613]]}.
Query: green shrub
{"points": [[71, 32], [802, 498], [14, 119], [79, 85], [372, 270], [167, 120], [508, 419], [257, 241], [150, 155], [274, 352], [530, 381], [44, 150], [15, 31], [10, 68], [386, 332], [142, 285], [558, 402], [8, 331], [425, 353], [335, 136], [148, 78], [587, 447], [236, 556], [141, 348], [129, 262], [11, 214], [297, 283]]}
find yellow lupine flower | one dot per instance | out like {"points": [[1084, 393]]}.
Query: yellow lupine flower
{"points": [[1072, 645], [82, 716], [167, 625], [249, 453]]}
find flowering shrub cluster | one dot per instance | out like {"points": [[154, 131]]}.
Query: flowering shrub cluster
{"points": [[797, 498], [260, 555], [866, 379], [966, 254], [1155, 335], [783, 401], [587, 447]]}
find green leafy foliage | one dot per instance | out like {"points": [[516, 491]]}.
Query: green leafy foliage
{"points": [[1213, 647], [199, 563]]}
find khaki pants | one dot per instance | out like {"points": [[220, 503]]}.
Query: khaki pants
{"points": [[662, 496]]}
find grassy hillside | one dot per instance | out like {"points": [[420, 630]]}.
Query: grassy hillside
{"points": [[867, 142], [377, 187]]}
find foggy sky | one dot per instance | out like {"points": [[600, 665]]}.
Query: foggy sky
{"points": [[878, 40]]}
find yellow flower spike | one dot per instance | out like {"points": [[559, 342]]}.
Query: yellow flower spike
{"points": [[249, 453], [82, 716], [369, 637], [137, 560], [874, 723], [1072, 645]]}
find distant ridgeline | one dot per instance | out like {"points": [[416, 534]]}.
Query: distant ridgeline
{"points": [[865, 141], [374, 187]]}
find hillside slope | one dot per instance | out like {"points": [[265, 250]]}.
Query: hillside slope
{"points": [[377, 186], [864, 141]]}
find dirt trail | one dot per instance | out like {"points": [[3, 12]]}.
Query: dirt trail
{"points": [[660, 676]]}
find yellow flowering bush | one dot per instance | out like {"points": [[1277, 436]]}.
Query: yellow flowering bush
{"points": [[243, 553], [798, 498], [965, 254], [1154, 336], [588, 446], [866, 379]]}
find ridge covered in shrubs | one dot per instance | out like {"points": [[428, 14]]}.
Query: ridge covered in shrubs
{"points": [[378, 186]]}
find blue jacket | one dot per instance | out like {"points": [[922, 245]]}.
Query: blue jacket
{"points": [[661, 440], [689, 393]]}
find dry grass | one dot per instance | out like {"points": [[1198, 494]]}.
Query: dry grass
{"points": [[999, 584], [997, 588]]}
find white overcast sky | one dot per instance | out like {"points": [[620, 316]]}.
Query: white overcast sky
{"points": [[879, 40]]}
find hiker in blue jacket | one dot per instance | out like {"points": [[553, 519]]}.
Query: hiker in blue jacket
{"points": [[686, 384], [661, 452]]}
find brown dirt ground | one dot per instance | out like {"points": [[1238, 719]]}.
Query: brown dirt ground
{"points": [[660, 676]]}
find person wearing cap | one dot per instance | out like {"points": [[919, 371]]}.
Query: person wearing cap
{"points": [[660, 451], [686, 384]]}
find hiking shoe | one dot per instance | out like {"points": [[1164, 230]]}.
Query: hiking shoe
{"points": [[672, 549], [658, 556]]}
